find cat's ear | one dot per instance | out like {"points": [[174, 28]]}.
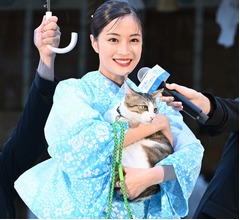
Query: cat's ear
{"points": [[130, 93], [157, 93]]}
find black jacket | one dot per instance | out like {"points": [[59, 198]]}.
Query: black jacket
{"points": [[221, 198], [26, 143]]}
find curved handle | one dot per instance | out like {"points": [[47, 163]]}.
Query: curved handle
{"points": [[72, 44]]}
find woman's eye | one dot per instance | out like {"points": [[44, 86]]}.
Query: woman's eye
{"points": [[113, 40], [135, 40]]}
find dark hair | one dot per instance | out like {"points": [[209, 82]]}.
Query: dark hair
{"points": [[109, 11]]}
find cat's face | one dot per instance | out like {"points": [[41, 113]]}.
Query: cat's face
{"points": [[139, 107]]}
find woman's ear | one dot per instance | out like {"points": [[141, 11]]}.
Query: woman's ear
{"points": [[94, 43]]}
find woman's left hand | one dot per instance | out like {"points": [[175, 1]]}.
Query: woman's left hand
{"points": [[137, 180]]}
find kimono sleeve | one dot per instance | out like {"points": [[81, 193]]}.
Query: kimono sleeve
{"points": [[79, 138], [186, 160]]}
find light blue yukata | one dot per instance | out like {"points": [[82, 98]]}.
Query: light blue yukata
{"points": [[75, 181]]}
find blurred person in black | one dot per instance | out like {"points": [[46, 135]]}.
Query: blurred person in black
{"points": [[221, 198], [27, 141]]}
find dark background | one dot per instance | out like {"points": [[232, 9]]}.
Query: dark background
{"points": [[184, 41]]}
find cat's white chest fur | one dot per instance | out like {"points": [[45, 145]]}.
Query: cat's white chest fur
{"points": [[135, 156]]}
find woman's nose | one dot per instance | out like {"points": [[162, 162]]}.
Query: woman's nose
{"points": [[124, 48]]}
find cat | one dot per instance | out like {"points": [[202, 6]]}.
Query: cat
{"points": [[136, 108]]}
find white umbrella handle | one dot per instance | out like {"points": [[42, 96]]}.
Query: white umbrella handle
{"points": [[72, 44]]}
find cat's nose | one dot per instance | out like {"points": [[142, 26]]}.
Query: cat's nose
{"points": [[152, 117]]}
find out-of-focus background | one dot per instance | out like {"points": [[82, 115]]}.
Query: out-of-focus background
{"points": [[196, 41]]}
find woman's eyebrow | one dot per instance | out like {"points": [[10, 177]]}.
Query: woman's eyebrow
{"points": [[132, 35]]}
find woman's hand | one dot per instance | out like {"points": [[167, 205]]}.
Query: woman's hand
{"points": [[137, 132], [162, 124], [137, 180]]}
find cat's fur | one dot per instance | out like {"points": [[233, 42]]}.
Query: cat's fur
{"points": [[141, 108]]}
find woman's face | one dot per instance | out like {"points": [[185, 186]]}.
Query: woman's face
{"points": [[119, 46]]}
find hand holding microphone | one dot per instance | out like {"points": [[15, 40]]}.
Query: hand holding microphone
{"points": [[153, 79], [192, 95]]}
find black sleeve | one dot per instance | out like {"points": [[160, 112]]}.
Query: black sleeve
{"points": [[27, 140], [224, 115]]}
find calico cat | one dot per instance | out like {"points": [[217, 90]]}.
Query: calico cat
{"points": [[138, 108]]}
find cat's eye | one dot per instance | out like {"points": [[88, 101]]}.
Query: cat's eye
{"points": [[143, 108], [155, 110]]}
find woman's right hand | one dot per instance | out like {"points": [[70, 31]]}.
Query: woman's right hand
{"points": [[161, 123]]}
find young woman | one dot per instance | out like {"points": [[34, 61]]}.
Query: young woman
{"points": [[75, 182]]}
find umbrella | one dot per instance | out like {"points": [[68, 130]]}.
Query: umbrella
{"points": [[74, 36]]}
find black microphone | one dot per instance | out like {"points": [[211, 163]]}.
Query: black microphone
{"points": [[155, 78]]}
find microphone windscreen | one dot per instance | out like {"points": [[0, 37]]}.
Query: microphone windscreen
{"points": [[142, 72]]}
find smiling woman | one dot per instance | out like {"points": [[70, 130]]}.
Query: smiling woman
{"points": [[172, 40], [75, 182], [119, 46], [117, 38]]}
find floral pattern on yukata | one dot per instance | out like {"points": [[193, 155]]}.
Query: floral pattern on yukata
{"points": [[75, 182]]}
